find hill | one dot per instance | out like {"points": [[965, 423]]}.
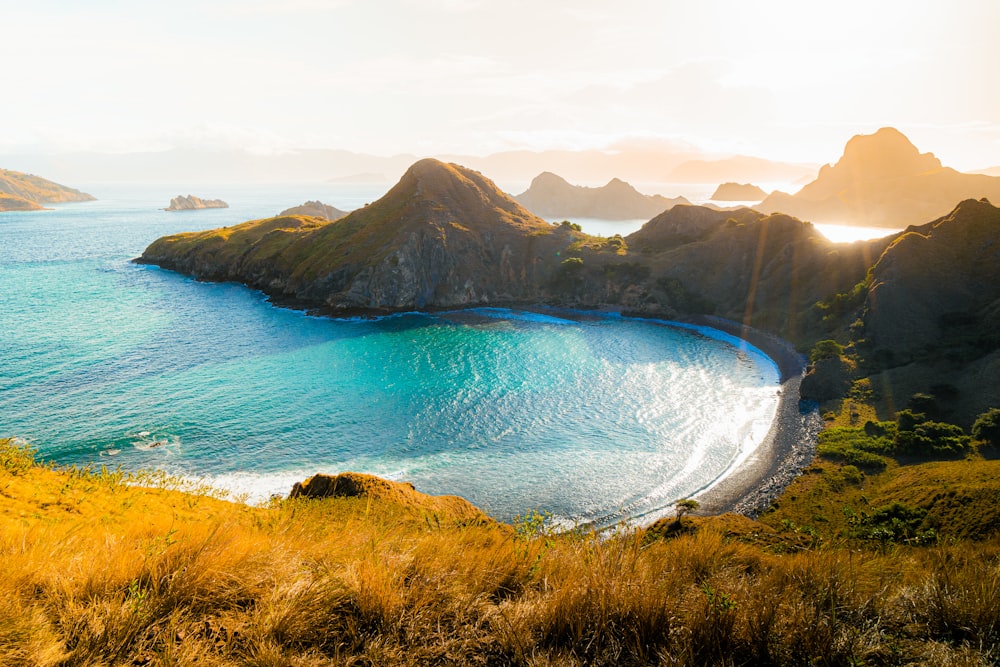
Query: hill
{"points": [[882, 180], [738, 192], [444, 236], [27, 187], [316, 209], [551, 196]]}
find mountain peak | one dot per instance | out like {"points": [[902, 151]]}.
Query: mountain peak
{"points": [[887, 153]]}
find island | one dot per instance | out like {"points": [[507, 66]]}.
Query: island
{"points": [[316, 209], [27, 192], [738, 192], [192, 203], [552, 196]]}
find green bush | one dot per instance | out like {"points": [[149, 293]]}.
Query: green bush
{"points": [[987, 427], [826, 349]]}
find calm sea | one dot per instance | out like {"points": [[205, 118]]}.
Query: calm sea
{"points": [[593, 418]]}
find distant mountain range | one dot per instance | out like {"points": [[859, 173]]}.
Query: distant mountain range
{"points": [[882, 180], [316, 209], [551, 196], [738, 192], [26, 192]]}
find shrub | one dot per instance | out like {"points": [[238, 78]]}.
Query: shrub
{"points": [[987, 427], [16, 456], [826, 349]]}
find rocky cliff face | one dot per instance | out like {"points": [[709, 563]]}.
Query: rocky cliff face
{"points": [[551, 196], [36, 189], [444, 236], [192, 203], [882, 180]]}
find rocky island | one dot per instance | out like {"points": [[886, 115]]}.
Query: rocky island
{"points": [[192, 203], [551, 196], [27, 192], [738, 192]]}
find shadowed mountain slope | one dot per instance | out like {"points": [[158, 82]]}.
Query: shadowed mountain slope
{"points": [[882, 180], [551, 196]]}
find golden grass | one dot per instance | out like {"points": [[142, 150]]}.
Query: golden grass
{"points": [[110, 574]]}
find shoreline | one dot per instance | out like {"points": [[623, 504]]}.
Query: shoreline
{"points": [[790, 443]]}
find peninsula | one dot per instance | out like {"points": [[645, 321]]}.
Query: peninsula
{"points": [[316, 209], [27, 192]]}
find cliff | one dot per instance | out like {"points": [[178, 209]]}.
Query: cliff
{"points": [[738, 192], [192, 203], [882, 180], [551, 196], [444, 236], [316, 209], [35, 189]]}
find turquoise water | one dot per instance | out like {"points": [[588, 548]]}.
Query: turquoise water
{"points": [[592, 418]]}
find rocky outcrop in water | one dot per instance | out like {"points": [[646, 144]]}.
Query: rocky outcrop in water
{"points": [[192, 203]]}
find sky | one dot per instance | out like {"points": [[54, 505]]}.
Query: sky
{"points": [[784, 80]]}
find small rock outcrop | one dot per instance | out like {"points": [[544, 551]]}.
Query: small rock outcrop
{"points": [[738, 192], [192, 203], [360, 485], [316, 209], [551, 196]]}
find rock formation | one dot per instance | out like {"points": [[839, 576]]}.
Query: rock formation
{"points": [[316, 209], [738, 192], [882, 180], [360, 485], [551, 196], [29, 188], [192, 203]]}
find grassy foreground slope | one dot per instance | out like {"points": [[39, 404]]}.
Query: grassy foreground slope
{"points": [[100, 573]]}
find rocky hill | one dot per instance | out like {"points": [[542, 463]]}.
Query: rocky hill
{"points": [[551, 196], [444, 236], [21, 188], [316, 209], [192, 203], [882, 180], [738, 192]]}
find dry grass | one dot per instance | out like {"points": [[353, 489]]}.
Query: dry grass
{"points": [[118, 575]]}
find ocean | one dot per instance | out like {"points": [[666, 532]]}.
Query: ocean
{"points": [[594, 418]]}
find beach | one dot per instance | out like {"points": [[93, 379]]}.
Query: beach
{"points": [[790, 443]]}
